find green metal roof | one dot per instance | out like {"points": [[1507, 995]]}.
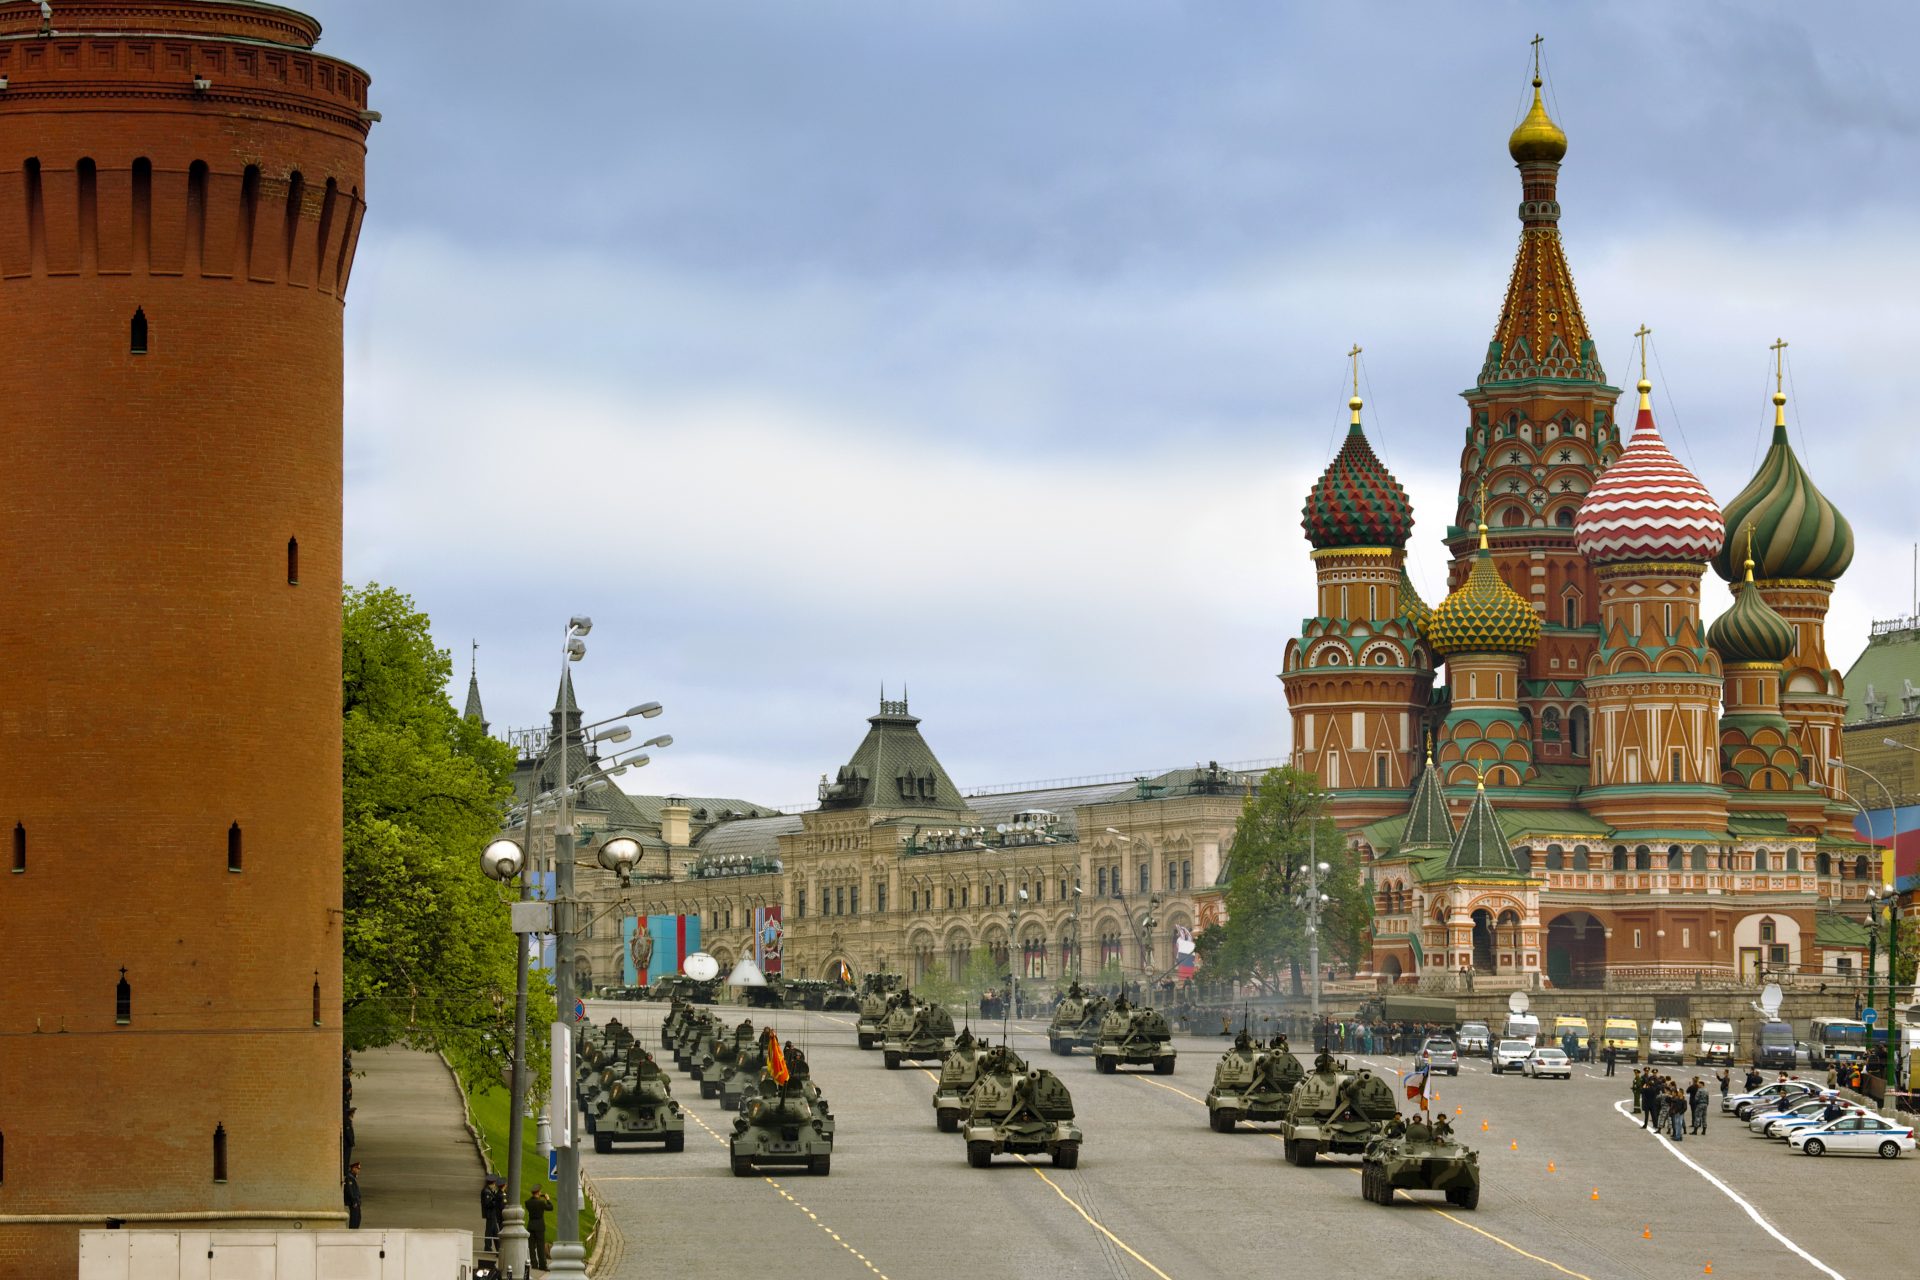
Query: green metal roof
{"points": [[1757, 824], [1482, 842], [1525, 824], [1831, 929], [1428, 824], [1890, 660]]}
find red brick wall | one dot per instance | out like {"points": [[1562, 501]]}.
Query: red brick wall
{"points": [[163, 678]]}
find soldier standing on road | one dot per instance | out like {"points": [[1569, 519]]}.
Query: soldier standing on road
{"points": [[1633, 1090], [537, 1207], [1650, 1096], [351, 1190], [1609, 1055], [1697, 1099], [1726, 1082], [493, 1204]]}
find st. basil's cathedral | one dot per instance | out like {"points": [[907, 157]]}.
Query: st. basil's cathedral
{"points": [[1602, 788]]}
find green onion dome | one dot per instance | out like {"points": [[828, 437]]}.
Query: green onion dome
{"points": [[1797, 533], [1357, 502], [1485, 615], [1751, 631]]}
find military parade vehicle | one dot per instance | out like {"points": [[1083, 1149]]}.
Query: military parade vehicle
{"points": [[695, 1037], [714, 1065], [957, 1074], [876, 990], [634, 1103], [1131, 1037], [743, 1072], [1252, 1083], [927, 1035], [1335, 1111], [677, 1014], [779, 1126], [670, 985], [1076, 1021], [800, 1071], [1015, 1110], [1419, 1155]]}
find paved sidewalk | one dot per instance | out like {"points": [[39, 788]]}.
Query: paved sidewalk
{"points": [[418, 1164]]}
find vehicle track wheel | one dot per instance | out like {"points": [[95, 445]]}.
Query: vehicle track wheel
{"points": [[948, 1122], [1164, 1067], [1104, 1065], [1066, 1155], [602, 1143], [1222, 1121], [1814, 1147], [1469, 1197], [742, 1167], [979, 1154], [893, 1061], [1309, 1152], [820, 1166], [1889, 1150], [676, 1142]]}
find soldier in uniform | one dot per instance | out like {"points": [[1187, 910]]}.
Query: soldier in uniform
{"points": [[350, 1189]]}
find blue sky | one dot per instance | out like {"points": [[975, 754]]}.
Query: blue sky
{"points": [[991, 347]]}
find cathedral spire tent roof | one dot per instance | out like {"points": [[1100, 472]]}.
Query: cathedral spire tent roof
{"points": [[474, 711], [1797, 533], [1541, 332], [1482, 843], [566, 709], [1647, 506], [1429, 824]]}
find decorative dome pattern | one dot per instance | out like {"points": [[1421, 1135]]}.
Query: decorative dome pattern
{"points": [[1647, 506], [1538, 138], [1797, 533], [1751, 631], [1357, 502], [1485, 615], [1412, 607]]}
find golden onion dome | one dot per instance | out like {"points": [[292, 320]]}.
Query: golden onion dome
{"points": [[1538, 138], [1485, 615]]}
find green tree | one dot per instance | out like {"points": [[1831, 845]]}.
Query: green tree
{"points": [[1265, 939], [1905, 962], [429, 954]]}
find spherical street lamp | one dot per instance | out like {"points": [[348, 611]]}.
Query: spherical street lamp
{"points": [[503, 859]]}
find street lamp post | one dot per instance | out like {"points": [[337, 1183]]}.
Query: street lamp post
{"points": [[1313, 869], [504, 860]]}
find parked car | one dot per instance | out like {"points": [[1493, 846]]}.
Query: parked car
{"points": [[1475, 1039], [1772, 1096], [1547, 1061], [1783, 1129], [1440, 1055], [1763, 1120], [1510, 1053], [1855, 1133]]}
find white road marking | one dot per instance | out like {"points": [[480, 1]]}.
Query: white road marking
{"points": [[1759, 1219]]}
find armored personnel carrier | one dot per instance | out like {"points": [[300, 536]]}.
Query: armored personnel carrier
{"points": [[1252, 1083], [714, 1066], [1418, 1156], [957, 1074], [1014, 1110], [1131, 1037], [927, 1036], [876, 989], [635, 1104], [1076, 1022], [1335, 1111], [778, 1126]]}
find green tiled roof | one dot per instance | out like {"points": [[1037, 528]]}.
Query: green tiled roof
{"points": [[1523, 824], [716, 808], [1757, 824], [1831, 929], [1428, 825], [892, 768], [1886, 664], [1482, 842]]}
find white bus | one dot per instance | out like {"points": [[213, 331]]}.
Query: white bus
{"points": [[1833, 1042]]}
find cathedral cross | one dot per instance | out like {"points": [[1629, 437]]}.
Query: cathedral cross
{"points": [[1779, 361]]}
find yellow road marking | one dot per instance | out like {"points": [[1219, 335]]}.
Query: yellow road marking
{"points": [[1499, 1240], [1094, 1222]]}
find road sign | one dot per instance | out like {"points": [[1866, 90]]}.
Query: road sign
{"points": [[1869, 1016], [579, 1010], [553, 1165]]}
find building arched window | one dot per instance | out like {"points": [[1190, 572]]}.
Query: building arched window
{"points": [[1673, 857], [1581, 862], [1550, 725], [1642, 858], [1619, 857], [1699, 857], [1793, 859], [1577, 731]]}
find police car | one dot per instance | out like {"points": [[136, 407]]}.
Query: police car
{"points": [[1855, 1134]]}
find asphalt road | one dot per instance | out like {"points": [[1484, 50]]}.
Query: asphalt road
{"points": [[1159, 1194]]}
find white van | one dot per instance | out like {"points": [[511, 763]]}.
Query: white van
{"points": [[1667, 1041], [1716, 1044], [1523, 1026]]}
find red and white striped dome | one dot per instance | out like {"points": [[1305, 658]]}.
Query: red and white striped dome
{"points": [[1647, 506]]}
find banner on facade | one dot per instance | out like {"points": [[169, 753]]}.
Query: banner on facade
{"points": [[1898, 829], [654, 946], [768, 938], [1183, 950]]}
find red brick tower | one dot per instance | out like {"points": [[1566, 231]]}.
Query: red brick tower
{"points": [[180, 196]]}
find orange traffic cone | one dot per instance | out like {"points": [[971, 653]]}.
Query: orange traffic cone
{"points": [[1596, 1193], [1483, 1126], [1550, 1168], [1459, 1111], [1709, 1268], [1646, 1233], [1513, 1146]]}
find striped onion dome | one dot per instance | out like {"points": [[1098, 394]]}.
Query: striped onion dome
{"points": [[1647, 506], [1797, 533], [1485, 615], [1751, 631], [1357, 502]]}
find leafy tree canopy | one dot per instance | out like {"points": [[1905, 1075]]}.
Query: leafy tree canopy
{"points": [[1265, 937], [429, 954]]}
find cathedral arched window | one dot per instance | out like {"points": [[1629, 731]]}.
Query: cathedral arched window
{"points": [[1556, 858], [1673, 857], [1619, 857], [1564, 517], [1581, 861], [1642, 858]]}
